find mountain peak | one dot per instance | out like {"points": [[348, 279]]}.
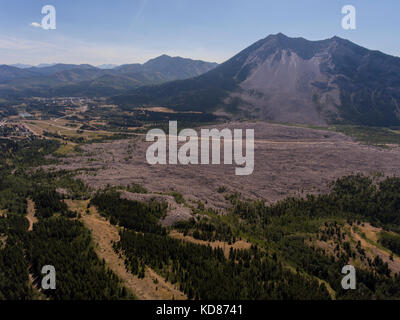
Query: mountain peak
{"points": [[166, 59], [280, 35], [277, 37], [339, 40], [293, 80], [163, 56]]}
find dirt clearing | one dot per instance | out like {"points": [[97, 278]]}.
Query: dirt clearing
{"points": [[152, 287], [241, 244], [30, 214]]}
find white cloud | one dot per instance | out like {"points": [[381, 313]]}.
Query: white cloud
{"points": [[36, 25]]}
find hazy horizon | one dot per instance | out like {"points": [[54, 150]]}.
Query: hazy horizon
{"points": [[151, 58], [135, 31]]}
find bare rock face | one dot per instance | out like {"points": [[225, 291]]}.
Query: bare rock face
{"points": [[316, 82], [292, 80], [281, 89]]}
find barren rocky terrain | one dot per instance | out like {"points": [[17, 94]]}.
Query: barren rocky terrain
{"points": [[288, 161]]}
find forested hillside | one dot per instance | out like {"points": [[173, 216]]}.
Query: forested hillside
{"points": [[55, 240], [290, 257], [297, 246]]}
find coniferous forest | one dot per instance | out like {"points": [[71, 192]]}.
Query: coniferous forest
{"points": [[297, 246], [56, 239]]}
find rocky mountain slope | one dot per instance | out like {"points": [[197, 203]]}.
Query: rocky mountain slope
{"points": [[292, 80]]}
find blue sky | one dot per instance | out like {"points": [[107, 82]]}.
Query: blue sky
{"points": [[128, 31]]}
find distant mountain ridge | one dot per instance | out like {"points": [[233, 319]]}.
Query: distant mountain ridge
{"points": [[85, 79], [291, 80], [26, 66], [107, 66], [21, 65]]}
